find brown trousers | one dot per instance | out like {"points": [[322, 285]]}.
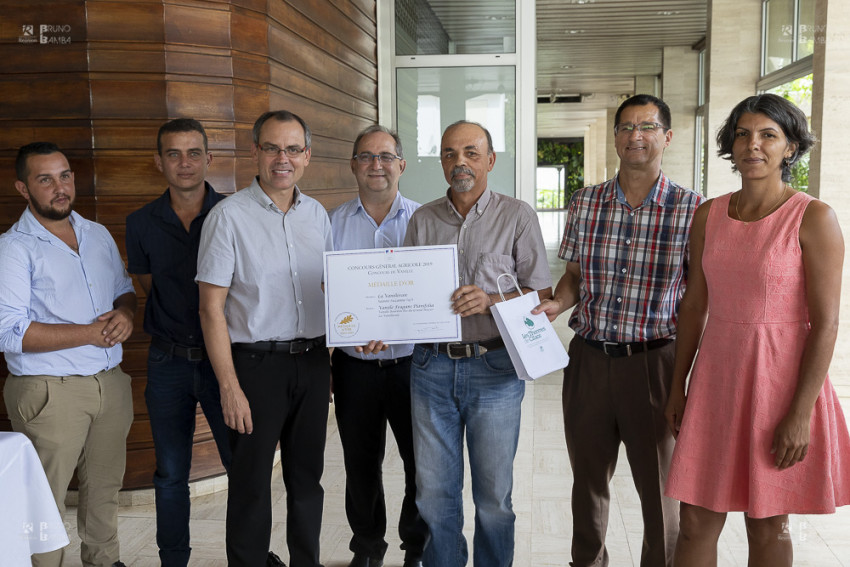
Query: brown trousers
{"points": [[607, 401], [78, 422]]}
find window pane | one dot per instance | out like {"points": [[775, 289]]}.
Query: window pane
{"points": [[779, 36], [441, 27], [806, 37], [429, 99]]}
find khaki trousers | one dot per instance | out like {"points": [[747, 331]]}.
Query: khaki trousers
{"points": [[78, 422], [608, 401]]}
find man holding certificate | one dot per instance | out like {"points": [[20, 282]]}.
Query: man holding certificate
{"points": [[471, 387], [373, 389]]}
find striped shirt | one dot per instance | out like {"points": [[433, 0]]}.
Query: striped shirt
{"points": [[633, 261]]}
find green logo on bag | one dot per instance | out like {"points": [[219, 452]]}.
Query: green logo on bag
{"points": [[529, 323]]}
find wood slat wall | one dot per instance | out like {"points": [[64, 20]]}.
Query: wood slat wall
{"points": [[127, 67]]}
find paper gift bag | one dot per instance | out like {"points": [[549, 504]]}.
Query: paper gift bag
{"points": [[532, 343]]}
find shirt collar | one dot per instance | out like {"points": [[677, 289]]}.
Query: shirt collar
{"points": [[394, 208], [28, 224], [162, 204], [658, 194], [479, 207], [265, 201]]}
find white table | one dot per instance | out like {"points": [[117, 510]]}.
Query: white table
{"points": [[29, 520]]}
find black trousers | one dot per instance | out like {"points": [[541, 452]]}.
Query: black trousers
{"points": [[366, 397], [288, 396]]}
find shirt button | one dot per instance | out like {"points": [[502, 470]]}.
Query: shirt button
{"points": [[294, 273], [619, 300], [631, 214], [299, 302], [628, 241], [623, 270], [461, 251], [615, 327]]}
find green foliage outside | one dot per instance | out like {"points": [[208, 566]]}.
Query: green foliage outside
{"points": [[799, 91], [571, 157]]}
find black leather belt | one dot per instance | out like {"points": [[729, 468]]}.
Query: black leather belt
{"points": [[192, 354], [296, 346], [382, 362], [468, 350], [616, 350]]}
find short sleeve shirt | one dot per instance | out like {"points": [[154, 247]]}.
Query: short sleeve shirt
{"points": [[633, 261], [159, 245], [500, 234], [270, 261]]}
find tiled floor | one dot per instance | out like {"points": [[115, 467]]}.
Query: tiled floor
{"points": [[541, 500]]}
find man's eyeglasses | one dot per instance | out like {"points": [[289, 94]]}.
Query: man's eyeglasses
{"points": [[290, 151], [366, 157], [643, 127]]}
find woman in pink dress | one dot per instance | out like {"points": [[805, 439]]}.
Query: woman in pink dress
{"points": [[761, 430]]}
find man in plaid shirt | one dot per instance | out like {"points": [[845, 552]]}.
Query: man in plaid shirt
{"points": [[626, 248]]}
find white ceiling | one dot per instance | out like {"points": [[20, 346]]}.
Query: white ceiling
{"points": [[592, 49]]}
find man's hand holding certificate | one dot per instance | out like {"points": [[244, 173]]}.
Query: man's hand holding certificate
{"points": [[397, 295]]}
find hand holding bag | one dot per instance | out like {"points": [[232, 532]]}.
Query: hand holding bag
{"points": [[533, 345]]}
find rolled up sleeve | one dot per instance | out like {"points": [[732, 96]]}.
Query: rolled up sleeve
{"points": [[15, 290]]}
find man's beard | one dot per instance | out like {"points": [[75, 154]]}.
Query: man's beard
{"points": [[462, 185], [49, 212]]}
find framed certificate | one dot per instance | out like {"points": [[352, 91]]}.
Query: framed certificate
{"points": [[396, 295]]}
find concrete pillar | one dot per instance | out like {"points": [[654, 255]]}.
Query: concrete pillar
{"points": [[830, 160], [733, 55], [646, 84], [603, 140], [590, 177], [612, 160], [679, 84]]}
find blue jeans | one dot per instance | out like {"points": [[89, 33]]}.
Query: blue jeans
{"points": [[175, 386], [483, 396]]}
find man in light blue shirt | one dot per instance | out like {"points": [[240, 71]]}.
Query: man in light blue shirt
{"points": [[66, 305], [371, 389]]}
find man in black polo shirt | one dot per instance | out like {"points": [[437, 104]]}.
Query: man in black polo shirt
{"points": [[162, 251]]}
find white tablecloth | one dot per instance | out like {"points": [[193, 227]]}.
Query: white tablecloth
{"points": [[29, 519]]}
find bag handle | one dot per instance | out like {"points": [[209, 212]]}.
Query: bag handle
{"points": [[513, 278]]}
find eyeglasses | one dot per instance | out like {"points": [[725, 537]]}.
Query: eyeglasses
{"points": [[290, 151], [643, 127], [366, 157]]}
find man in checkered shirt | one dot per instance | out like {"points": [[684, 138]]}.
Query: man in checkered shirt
{"points": [[626, 248]]}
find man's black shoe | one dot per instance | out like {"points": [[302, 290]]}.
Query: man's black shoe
{"points": [[412, 563], [274, 561], [361, 560], [118, 564]]}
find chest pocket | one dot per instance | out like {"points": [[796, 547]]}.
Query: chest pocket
{"points": [[489, 267]]}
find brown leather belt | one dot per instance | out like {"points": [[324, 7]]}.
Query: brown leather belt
{"points": [[468, 350]]}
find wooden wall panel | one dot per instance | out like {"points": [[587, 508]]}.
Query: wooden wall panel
{"points": [[131, 65]]}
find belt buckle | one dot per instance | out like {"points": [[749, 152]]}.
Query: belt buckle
{"points": [[297, 347], [467, 354], [605, 348], [194, 354]]}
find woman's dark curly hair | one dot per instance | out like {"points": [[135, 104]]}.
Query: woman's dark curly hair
{"points": [[790, 118]]}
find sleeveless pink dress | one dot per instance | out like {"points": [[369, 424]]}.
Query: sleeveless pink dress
{"points": [[746, 373]]}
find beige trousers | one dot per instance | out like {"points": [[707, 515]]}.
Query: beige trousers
{"points": [[78, 422]]}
